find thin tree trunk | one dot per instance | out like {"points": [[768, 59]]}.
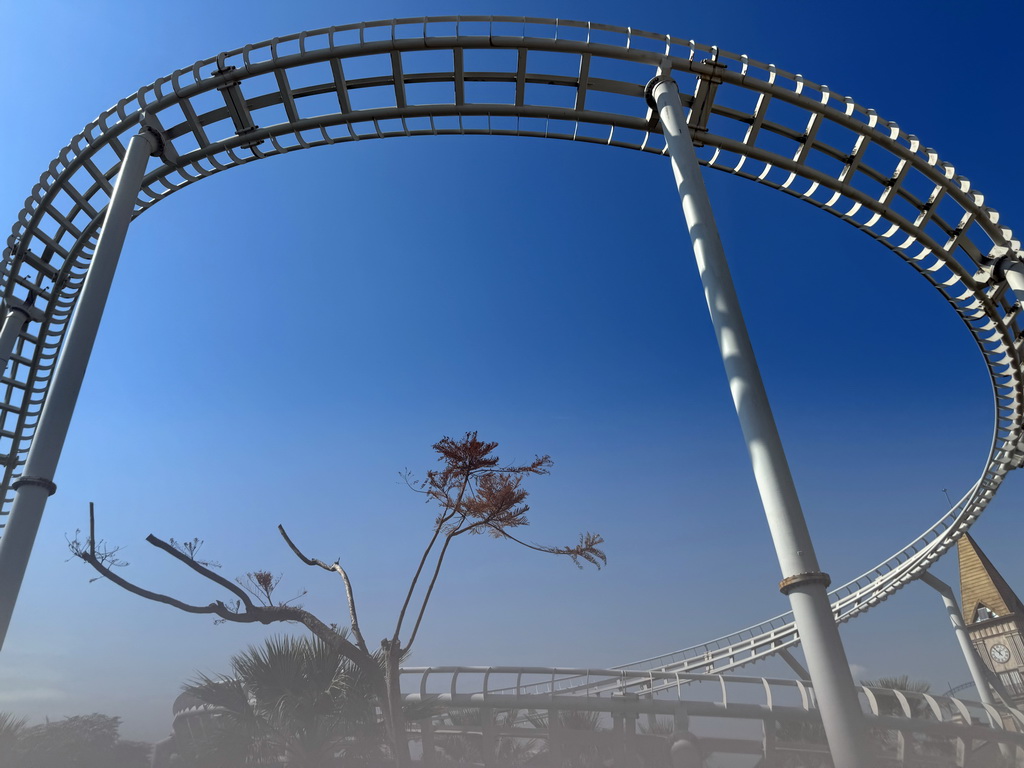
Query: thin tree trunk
{"points": [[393, 715]]}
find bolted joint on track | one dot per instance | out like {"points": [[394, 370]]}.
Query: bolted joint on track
{"points": [[234, 100], [651, 85], [31, 312], [160, 146], [653, 116], [708, 79]]}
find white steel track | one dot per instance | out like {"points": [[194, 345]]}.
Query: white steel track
{"points": [[750, 119]]}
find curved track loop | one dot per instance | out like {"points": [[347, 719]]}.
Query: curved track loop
{"points": [[539, 78]]}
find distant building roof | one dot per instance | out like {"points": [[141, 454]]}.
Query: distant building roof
{"points": [[983, 592], [185, 702]]}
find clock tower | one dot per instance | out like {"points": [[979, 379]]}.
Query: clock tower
{"points": [[994, 616]]}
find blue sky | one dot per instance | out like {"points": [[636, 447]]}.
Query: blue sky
{"points": [[283, 339]]}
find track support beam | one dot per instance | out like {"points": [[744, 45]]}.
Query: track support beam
{"points": [[36, 483], [795, 665], [803, 580], [979, 674]]}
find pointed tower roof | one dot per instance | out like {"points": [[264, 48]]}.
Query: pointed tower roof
{"points": [[982, 586]]}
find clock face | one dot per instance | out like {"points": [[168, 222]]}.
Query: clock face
{"points": [[999, 653]]}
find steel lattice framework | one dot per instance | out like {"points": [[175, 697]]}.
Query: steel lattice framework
{"points": [[514, 76]]}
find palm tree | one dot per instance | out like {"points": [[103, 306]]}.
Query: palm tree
{"points": [[572, 752], [800, 743], [295, 700], [12, 734], [470, 749], [890, 705], [801, 735]]}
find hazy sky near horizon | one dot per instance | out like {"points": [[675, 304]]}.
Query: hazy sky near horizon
{"points": [[283, 339]]}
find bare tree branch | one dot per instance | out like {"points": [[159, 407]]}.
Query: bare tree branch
{"points": [[217, 608], [104, 553], [202, 570], [587, 549], [430, 588], [440, 559], [336, 567], [191, 548], [439, 524], [253, 614], [92, 529]]}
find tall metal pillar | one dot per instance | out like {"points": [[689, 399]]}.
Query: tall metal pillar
{"points": [[803, 581], [979, 674], [36, 482]]}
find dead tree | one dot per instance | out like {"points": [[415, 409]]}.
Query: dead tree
{"points": [[474, 493]]}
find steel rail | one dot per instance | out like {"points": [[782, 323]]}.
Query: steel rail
{"points": [[909, 200], [765, 703]]}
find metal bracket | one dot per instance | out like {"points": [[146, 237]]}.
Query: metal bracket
{"points": [[649, 91], [234, 99], [664, 76], [150, 125], [1015, 456], [33, 313], [708, 79]]}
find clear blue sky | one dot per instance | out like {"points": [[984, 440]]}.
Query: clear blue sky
{"points": [[283, 339]]}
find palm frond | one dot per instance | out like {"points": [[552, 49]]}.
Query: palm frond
{"points": [[289, 696]]}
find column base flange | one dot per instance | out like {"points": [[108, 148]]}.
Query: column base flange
{"points": [[42, 482], [790, 583]]}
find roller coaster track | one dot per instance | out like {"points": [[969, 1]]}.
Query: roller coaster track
{"points": [[757, 717], [513, 76]]}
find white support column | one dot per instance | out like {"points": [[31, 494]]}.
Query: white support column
{"points": [[36, 482], [979, 673], [803, 580], [974, 664]]}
